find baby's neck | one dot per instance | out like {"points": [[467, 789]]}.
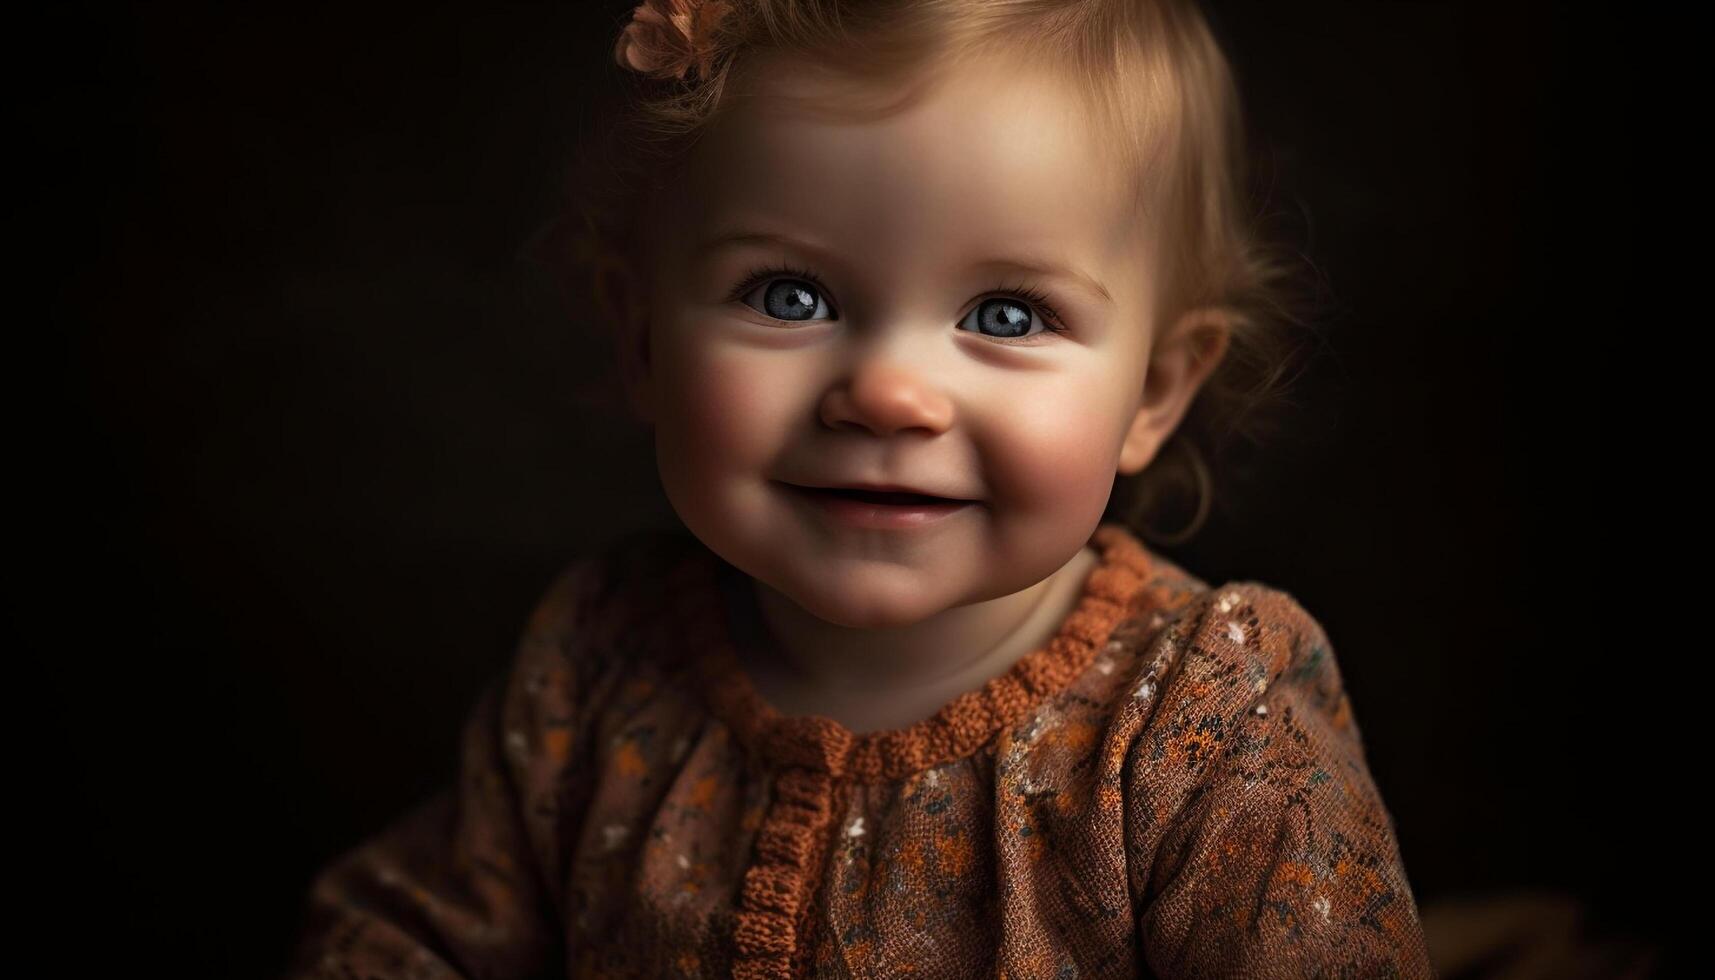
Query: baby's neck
{"points": [[803, 666]]}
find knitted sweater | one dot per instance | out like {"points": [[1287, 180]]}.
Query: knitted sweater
{"points": [[1173, 786]]}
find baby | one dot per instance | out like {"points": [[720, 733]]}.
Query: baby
{"points": [[904, 291]]}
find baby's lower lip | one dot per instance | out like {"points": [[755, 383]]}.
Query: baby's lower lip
{"points": [[855, 511]]}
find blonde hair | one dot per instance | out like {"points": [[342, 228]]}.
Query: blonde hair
{"points": [[1162, 100]]}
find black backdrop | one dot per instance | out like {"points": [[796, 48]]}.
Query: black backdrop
{"points": [[333, 445]]}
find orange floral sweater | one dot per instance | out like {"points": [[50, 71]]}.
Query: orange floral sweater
{"points": [[1173, 786]]}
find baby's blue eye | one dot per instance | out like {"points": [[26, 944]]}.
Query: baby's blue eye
{"points": [[792, 299], [1007, 318], [795, 295]]}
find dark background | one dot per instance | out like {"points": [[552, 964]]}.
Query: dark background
{"points": [[333, 444]]}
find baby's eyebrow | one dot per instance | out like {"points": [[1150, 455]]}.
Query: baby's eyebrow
{"points": [[1022, 264], [734, 238], [1072, 277]]}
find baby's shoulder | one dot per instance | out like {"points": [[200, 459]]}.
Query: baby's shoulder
{"points": [[600, 639], [1222, 645], [618, 578], [612, 603], [1257, 629]]}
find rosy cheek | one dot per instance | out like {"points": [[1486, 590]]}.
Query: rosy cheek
{"points": [[1054, 451], [723, 407]]}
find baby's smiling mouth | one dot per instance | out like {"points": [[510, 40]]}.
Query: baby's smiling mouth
{"points": [[891, 497], [881, 497]]}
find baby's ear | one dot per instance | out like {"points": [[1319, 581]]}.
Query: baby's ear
{"points": [[625, 304], [583, 266], [1180, 360]]}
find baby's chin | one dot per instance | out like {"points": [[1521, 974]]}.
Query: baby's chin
{"points": [[867, 595]]}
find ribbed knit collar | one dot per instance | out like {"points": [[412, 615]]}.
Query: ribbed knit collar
{"points": [[955, 731]]}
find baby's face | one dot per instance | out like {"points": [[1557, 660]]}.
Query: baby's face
{"points": [[910, 358]]}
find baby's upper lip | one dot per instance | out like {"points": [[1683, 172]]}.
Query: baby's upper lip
{"points": [[884, 488]]}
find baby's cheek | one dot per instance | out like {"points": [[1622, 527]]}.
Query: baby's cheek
{"points": [[724, 414], [1055, 454]]}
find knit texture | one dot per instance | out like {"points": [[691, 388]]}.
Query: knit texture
{"points": [[1173, 786]]}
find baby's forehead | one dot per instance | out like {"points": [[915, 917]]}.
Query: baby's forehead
{"points": [[986, 153], [1011, 111]]}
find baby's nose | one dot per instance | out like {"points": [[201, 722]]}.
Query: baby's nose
{"points": [[885, 397]]}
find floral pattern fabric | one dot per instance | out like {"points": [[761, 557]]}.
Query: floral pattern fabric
{"points": [[1174, 786]]}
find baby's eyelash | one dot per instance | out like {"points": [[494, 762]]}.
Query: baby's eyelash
{"points": [[1052, 322], [1035, 296], [759, 276]]}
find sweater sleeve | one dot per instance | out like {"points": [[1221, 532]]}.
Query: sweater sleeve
{"points": [[1262, 846], [466, 884]]}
